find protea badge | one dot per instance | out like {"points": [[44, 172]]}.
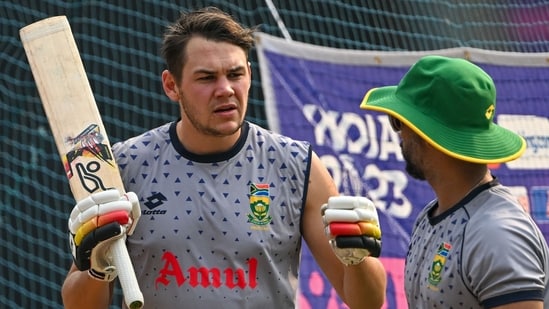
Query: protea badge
{"points": [[259, 204]]}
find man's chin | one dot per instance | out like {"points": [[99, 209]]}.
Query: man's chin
{"points": [[414, 173], [228, 129]]}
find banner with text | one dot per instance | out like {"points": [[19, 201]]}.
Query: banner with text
{"points": [[313, 93]]}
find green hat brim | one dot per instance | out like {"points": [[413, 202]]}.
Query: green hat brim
{"points": [[495, 145]]}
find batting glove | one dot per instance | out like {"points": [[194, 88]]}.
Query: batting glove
{"points": [[352, 225], [95, 223]]}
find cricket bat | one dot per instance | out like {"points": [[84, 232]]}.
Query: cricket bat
{"points": [[76, 125]]}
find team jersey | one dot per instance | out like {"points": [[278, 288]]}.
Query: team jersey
{"points": [[483, 252], [216, 231]]}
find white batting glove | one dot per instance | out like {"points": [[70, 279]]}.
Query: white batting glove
{"points": [[95, 223], [352, 225]]}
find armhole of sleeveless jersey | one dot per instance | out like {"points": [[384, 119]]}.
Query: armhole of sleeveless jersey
{"points": [[306, 186]]}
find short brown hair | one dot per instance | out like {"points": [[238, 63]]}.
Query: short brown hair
{"points": [[210, 23]]}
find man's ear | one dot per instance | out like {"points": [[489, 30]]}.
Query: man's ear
{"points": [[170, 86]]}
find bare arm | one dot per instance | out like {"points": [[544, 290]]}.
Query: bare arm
{"points": [[359, 286], [80, 291], [522, 305]]}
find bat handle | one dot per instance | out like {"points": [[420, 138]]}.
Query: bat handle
{"points": [[130, 288]]}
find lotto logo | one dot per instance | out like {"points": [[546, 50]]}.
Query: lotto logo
{"points": [[152, 202]]}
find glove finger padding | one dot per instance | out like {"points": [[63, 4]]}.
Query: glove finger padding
{"points": [[95, 223], [352, 225], [370, 244], [353, 229], [93, 253]]}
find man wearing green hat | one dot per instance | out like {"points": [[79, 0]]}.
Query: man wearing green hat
{"points": [[474, 246]]}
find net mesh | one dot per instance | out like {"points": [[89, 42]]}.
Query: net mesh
{"points": [[119, 44]]}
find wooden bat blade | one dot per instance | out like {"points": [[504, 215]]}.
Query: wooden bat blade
{"points": [[76, 124], [70, 107]]}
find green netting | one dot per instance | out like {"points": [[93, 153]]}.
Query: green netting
{"points": [[119, 42]]}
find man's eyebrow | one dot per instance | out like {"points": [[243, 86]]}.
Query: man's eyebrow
{"points": [[203, 71], [231, 70], [237, 68]]}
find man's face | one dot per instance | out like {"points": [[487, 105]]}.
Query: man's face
{"points": [[213, 92]]}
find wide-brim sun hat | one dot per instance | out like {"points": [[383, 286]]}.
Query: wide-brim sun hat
{"points": [[451, 103]]}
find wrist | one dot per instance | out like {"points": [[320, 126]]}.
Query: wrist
{"points": [[107, 275], [354, 261]]}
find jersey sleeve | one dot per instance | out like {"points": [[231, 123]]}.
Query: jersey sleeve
{"points": [[503, 260]]}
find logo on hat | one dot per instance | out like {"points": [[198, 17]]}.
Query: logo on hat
{"points": [[490, 112]]}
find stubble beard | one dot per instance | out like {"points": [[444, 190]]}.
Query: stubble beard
{"points": [[414, 171], [412, 168], [204, 129]]}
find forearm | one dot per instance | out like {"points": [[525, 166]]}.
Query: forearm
{"points": [[80, 291], [364, 285]]}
